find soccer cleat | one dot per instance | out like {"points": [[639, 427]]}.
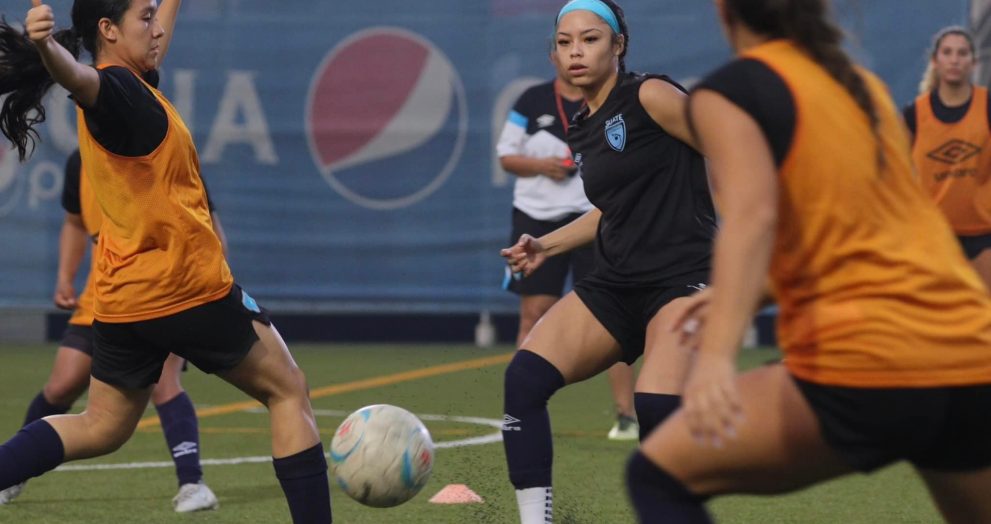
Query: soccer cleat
{"points": [[11, 493], [194, 497], [625, 428]]}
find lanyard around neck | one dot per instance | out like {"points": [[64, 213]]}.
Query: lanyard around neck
{"points": [[560, 109]]}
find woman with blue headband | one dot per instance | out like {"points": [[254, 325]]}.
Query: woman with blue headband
{"points": [[652, 225], [885, 327], [548, 194]]}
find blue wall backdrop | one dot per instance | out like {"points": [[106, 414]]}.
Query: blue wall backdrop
{"points": [[348, 146]]}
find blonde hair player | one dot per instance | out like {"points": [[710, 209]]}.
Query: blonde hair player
{"points": [[950, 123]]}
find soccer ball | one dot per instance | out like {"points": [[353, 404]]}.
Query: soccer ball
{"points": [[381, 455]]}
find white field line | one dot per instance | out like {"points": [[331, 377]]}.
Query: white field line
{"points": [[473, 441]]}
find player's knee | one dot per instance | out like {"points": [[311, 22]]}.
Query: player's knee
{"points": [[531, 379], [165, 391], [530, 312], [298, 379], [288, 385], [64, 392], [528, 317], [108, 435]]}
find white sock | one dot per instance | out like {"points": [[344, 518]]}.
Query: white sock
{"points": [[536, 505]]}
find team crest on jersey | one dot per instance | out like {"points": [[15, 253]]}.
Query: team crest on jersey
{"points": [[616, 132]]}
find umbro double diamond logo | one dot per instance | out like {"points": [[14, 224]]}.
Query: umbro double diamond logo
{"points": [[954, 152], [508, 422], [185, 448]]}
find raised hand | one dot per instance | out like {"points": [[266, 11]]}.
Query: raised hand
{"points": [[40, 21]]}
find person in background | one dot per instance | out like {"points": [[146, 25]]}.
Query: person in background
{"points": [[950, 123]]}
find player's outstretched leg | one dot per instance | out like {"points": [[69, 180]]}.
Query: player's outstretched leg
{"points": [[269, 374], [108, 422], [67, 381]]}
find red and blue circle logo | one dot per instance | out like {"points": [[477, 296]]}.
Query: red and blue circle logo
{"points": [[386, 118]]}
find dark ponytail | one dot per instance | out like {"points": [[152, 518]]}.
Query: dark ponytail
{"points": [[25, 81], [808, 23], [23, 77]]}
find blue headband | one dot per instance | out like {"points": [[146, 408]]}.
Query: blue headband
{"points": [[595, 6]]}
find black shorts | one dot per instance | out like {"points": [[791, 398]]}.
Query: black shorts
{"points": [[626, 311], [942, 429], [551, 276], [214, 336], [974, 245], [79, 338]]}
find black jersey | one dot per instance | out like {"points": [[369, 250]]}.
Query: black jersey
{"points": [[127, 119], [658, 221], [756, 89], [71, 199]]}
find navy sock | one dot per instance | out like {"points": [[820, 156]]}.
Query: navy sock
{"points": [[40, 408], [34, 450], [526, 428], [303, 477], [652, 409], [182, 433], [660, 498]]}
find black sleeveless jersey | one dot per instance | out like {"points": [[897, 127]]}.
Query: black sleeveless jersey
{"points": [[658, 220]]}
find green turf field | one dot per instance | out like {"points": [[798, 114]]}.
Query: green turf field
{"points": [[588, 468]]}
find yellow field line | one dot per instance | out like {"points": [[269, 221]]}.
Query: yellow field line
{"points": [[328, 431], [358, 385]]}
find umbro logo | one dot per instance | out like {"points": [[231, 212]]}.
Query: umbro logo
{"points": [[508, 421], [954, 152], [545, 120], [185, 448]]}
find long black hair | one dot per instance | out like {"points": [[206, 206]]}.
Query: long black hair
{"points": [[24, 81], [808, 23]]}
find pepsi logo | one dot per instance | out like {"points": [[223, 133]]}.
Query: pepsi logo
{"points": [[386, 118]]}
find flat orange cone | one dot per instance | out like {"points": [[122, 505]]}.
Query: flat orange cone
{"points": [[456, 494]]}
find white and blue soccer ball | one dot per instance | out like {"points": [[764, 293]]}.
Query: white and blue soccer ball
{"points": [[381, 455]]}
